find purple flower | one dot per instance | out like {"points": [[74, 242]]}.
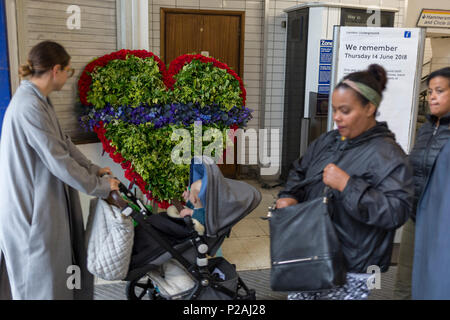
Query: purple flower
{"points": [[162, 115]]}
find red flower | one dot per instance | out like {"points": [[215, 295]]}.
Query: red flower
{"points": [[126, 165]]}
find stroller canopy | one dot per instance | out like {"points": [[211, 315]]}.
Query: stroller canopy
{"points": [[226, 201]]}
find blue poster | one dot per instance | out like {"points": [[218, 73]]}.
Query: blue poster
{"points": [[324, 74], [324, 89], [5, 90], [326, 51], [325, 60]]}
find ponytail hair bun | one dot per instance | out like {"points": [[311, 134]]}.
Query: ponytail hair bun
{"points": [[43, 57], [380, 75], [25, 70]]}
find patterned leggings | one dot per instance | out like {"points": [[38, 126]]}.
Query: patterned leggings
{"points": [[354, 289]]}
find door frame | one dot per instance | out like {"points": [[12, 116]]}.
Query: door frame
{"points": [[241, 14], [16, 44], [236, 168]]}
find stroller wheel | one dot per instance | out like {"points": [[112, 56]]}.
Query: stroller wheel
{"points": [[139, 287]]}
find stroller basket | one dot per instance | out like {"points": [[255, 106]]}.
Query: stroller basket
{"points": [[225, 280], [173, 282]]}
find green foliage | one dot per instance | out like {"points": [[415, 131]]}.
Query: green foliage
{"points": [[129, 82], [149, 150], [205, 84], [134, 82]]}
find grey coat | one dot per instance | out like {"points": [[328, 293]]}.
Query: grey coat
{"points": [[41, 224]]}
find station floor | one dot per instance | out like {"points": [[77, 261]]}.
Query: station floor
{"points": [[248, 246]]}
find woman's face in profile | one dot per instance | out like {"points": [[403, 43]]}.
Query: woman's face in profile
{"points": [[62, 76], [350, 116], [439, 96]]}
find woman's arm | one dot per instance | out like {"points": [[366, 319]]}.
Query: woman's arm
{"points": [[296, 175], [79, 157], [55, 153], [388, 205]]}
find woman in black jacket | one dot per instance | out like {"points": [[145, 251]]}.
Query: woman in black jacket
{"points": [[430, 140], [370, 178]]}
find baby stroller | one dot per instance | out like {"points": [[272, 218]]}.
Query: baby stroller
{"points": [[170, 260]]}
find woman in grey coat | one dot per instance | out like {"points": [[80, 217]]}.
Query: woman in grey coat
{"points": [[42, 246]]}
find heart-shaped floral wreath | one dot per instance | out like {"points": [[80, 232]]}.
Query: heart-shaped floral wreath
{"points": [[133, 103]]}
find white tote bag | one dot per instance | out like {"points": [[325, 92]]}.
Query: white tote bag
{"points": [[109, 238]]}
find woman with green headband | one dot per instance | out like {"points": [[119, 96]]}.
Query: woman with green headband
{"points": [[369, 176]]}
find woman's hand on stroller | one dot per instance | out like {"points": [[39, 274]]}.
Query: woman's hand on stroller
{"points": [[114, 184], [114, 197], [102, 171], [285, 202]]}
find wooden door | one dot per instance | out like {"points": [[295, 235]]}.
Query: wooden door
{"points": [[219, 33]]}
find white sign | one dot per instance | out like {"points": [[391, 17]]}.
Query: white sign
{"points": [[396, 49], [433, 18]]}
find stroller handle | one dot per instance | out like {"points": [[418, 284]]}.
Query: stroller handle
{"points": [[123, 189], [116, 198]]}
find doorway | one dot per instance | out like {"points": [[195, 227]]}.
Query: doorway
{"points": [[215, 33]]}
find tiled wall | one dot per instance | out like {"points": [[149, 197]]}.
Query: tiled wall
{"points": [[46, 20]]}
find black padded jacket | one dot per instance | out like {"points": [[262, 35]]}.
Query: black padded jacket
{"points": [[377, 199], [429, 142]]}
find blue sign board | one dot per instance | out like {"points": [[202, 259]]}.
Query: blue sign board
{"points": [[5, 90], [324, 74], [325, 60], [326, 51]]}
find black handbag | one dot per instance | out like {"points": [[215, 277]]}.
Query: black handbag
{"points": [[305, 251]]}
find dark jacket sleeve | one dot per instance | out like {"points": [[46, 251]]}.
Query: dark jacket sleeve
{"points": [[297, 174], [387, 205]]}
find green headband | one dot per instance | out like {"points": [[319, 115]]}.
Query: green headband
{"points": [[366, 91]]}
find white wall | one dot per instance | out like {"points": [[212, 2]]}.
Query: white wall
{"points": [[441, 53]]}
